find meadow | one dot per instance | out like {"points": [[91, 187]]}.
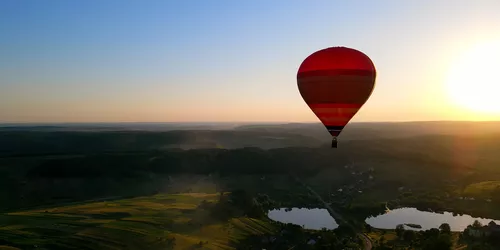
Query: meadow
{"points": [[163, 221]]}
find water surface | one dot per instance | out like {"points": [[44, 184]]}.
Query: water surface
{"points": [[427, 220], [316, 218]]}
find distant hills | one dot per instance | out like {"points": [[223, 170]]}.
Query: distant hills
{"points": [[378, 130], [96, 138], [127, 126]]}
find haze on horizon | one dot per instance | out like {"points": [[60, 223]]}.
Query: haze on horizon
{"points": [[226, 61]]}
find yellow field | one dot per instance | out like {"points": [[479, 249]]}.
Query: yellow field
{"points": [[481, 188], [376, 235], [138, 223]]}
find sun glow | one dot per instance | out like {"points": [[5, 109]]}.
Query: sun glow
{"points": [[474, 80]]}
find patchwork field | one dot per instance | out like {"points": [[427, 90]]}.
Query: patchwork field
{"points": [[165, 221]]}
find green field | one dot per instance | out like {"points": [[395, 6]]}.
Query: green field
{"points": [[139, 223], [481, 188], [375, 235], [390, 238]]}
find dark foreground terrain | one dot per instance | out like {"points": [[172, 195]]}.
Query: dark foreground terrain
{"points": [[209, 187]]}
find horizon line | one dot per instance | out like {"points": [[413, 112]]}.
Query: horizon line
{"points": [[229, 122]]}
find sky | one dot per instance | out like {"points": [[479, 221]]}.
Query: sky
{"points": [[228, 61]]}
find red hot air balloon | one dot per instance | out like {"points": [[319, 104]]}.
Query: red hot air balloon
{"points": [[335, 83]]}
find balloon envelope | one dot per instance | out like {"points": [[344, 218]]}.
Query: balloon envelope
{"points": [[335, 83]]}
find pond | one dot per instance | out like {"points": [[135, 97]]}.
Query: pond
{"points": [[315, 218], [427, 220]]}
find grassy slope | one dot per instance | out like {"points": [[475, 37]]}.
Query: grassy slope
{"points": [[481, 188], [130, 223]]}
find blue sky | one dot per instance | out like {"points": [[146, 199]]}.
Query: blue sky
{"points": [[111, 61]]}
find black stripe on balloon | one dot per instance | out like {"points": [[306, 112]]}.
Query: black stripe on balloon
{"points": [[334, 133], [334, 128]]}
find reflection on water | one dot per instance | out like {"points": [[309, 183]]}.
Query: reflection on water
{"points": [[315, 218], [427, 220]]}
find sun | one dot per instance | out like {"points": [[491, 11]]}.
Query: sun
{"points": [[474, 80]]}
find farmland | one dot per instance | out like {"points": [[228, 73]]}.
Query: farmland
{"points": [[158, 222]]}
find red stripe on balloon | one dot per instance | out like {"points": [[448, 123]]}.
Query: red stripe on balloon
{"points": [[335, 105], [336, 72], [335, 89], [336, 58], [335, 114]]}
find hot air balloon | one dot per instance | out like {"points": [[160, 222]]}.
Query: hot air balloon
{"points": [[335, 83]]}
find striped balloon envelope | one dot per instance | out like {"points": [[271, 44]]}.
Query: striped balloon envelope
{"points": [[335, 83]]}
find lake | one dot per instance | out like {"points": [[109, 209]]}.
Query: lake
{"points": [[427, 220], [315, 218]]}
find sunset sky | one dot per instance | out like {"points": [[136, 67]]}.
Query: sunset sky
{"points": [[182, 61]]}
